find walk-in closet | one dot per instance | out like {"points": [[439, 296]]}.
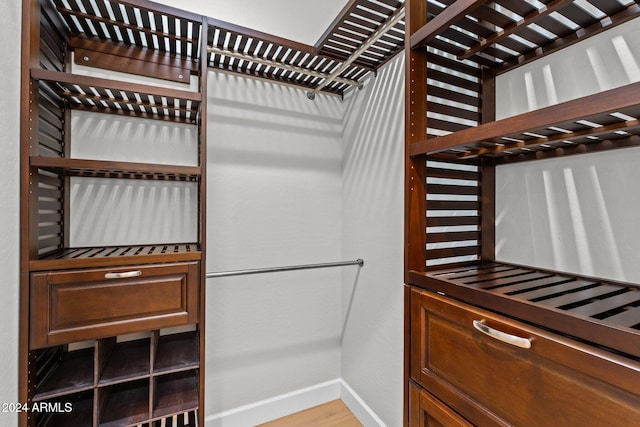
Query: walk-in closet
{"points": [[352, 212]]}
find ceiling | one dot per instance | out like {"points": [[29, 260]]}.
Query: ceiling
{"points": [[298, 20]]}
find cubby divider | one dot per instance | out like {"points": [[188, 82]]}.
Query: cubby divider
{"points": [[176, 352], [174, 393], [123, 404], [126, 361]]}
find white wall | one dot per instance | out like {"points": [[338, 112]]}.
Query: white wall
{"points": [[10, 18], [372, 220], [579, 213], [274, 194], [602, 62], [267, 16]]}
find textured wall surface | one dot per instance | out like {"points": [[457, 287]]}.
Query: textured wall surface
{"points": [[578, 213], [274, 194], [10, 204], [372, 220]]}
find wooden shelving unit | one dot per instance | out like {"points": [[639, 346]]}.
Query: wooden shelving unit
{"points": [[458, 216], [102, 293], [455, 49]]}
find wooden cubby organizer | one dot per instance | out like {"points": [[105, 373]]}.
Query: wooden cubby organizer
{"points": [[133, 382], [80, 305], [560, 325]]}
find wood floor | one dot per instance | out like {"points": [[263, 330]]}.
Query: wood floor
{"points": [[332, 414]]}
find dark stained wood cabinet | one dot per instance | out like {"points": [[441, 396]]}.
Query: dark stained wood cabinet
{"points": [[498, 371], [427, 411], [572, 355]]}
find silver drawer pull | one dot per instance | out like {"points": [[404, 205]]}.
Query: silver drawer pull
{"points": [[123, 275], [502, 336]]}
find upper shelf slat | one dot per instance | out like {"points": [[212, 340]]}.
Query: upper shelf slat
{"points": [[96, 168], [108, 256], [449, 16], [118, 21], [585, 108], [110, 96]]}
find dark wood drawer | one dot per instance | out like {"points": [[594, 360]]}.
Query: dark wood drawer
{"points": [[556, 381], [68, 306], [427, 411]]}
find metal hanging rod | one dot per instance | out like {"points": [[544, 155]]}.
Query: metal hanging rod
{"points": [[358, 261], [399, 15], [279, 65]]}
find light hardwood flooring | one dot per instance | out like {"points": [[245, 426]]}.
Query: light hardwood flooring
{"points": [[331, 414]]}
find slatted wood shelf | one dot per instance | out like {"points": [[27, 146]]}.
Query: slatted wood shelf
{"points": [[167, 42], [116, 97], [116, 169], [601, 121], [600, 312], [108, 256], [180, 419], [247, 52], [358, 20], [163, 29], [513, 32]]}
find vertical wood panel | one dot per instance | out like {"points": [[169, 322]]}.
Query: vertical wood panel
{"points": [[202, 212], [415, 130], [488, 174], [488, 211], [28, 221]]}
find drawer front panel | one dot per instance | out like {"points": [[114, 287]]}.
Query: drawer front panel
{"points": [[76, 305], [426, 411], [80, 305], [550, 383]]}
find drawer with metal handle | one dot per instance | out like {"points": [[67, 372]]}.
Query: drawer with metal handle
{"points": [[498, 371], [74, 305]]}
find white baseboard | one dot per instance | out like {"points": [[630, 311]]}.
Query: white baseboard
{"points": [[295, 401], [360, 409]]}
